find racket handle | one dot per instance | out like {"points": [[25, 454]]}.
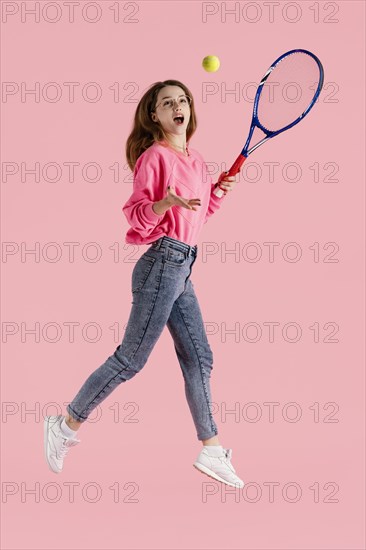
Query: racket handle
{"points": [[232, 172]]}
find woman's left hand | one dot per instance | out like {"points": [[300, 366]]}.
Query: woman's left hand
{"points": [[226, 183]]}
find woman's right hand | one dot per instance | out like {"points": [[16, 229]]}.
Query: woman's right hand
{"points": [[176, 200]]}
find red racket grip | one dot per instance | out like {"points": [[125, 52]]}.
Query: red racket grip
{"points": [[232, 172]]}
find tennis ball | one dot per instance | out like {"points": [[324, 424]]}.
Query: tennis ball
{"points": [[211, 63]]}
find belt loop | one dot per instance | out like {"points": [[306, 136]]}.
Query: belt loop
{"points": [[157, 243]]}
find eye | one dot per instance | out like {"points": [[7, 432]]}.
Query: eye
{"points": [[183, 100]]}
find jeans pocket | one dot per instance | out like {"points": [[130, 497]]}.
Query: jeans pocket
{"points": [[175, 257], [141, 272]]}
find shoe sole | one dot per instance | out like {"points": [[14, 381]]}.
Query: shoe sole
{"points": [[46, 428], [210, 473]]}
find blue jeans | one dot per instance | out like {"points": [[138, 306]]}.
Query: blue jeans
{"points": [[163, 294]]}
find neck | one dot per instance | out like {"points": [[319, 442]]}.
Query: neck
{"points": [[182, 147]]}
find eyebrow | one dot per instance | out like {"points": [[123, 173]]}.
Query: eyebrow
{"points": [[169, 96]]}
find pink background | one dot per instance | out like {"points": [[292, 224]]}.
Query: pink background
{"points": [[150, 459]]}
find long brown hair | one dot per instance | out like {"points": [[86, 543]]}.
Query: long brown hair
{"points": [[145, 132]]}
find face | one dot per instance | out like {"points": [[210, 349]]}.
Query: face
{"points": [[167, 115]]}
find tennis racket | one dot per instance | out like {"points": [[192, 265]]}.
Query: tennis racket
{"points": [[285, 95]]}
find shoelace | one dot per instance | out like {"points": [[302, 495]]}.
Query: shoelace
{"points": [[66, 444], [227, 458], [228, 453]]}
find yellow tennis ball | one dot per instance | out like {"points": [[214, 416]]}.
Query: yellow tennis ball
{"points": [[211, 63]]}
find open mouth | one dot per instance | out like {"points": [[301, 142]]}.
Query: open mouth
{"points": [[179, 119]]}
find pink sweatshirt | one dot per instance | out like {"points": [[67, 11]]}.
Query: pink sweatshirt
{"points": [[158, 167]]}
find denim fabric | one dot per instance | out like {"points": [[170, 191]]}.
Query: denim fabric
{"points": [[163, 295]]}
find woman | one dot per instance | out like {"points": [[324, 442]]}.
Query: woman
{"points": [[165, 171]]}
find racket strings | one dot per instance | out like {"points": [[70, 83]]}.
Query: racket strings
{"points": [[288, 91]]}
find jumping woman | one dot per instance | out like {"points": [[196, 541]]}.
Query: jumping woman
{"points": [[165, 170]]}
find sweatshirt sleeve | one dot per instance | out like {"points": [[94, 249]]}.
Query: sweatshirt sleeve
{"points": [[215, 202], [148, 187]]}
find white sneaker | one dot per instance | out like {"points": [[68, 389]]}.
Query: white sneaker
{"points": [[56, 444], [218, 466]]}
